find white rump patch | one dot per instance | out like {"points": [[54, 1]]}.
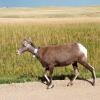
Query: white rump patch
{"points": [[82, 49]]}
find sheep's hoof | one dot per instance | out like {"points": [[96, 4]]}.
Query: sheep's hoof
{"points": [[70, 84], [50, 86], [44, 82], [93, 84]]}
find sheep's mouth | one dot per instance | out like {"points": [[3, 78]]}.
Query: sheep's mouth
{"points": [[18, 52]]}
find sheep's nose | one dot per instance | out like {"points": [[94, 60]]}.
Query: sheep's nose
{"points": [[18, 52]]}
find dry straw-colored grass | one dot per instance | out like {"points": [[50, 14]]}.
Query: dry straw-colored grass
{"points": [[50, 12]]}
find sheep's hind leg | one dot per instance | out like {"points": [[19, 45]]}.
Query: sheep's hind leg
{"points": [[91, 69], [76, 71]]}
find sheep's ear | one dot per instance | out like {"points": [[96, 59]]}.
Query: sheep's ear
{"points": [[25, 39], [28, 39]]}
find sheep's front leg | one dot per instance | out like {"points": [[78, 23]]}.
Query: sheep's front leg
{"points": [[46, 76], [49, 79]]}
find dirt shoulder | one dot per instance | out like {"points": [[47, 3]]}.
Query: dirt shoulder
{"points": [[81, 90]]}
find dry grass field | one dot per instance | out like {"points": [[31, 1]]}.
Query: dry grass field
{"points": [[49, 20], [50, 12]]}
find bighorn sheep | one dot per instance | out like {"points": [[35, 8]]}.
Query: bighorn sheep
{"points": [[59, 55]]}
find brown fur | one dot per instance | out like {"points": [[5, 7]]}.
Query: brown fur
{"points": [[61, 55]]}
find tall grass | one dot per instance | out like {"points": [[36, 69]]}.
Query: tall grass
{"points": [[14, 68]]}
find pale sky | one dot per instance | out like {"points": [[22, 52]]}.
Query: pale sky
{"points": [[32, 3]]}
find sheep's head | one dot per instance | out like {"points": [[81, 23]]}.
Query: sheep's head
{"points": [[26, 45]]}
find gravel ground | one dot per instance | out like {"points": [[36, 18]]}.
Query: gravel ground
{"points": [[81, 90]]}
